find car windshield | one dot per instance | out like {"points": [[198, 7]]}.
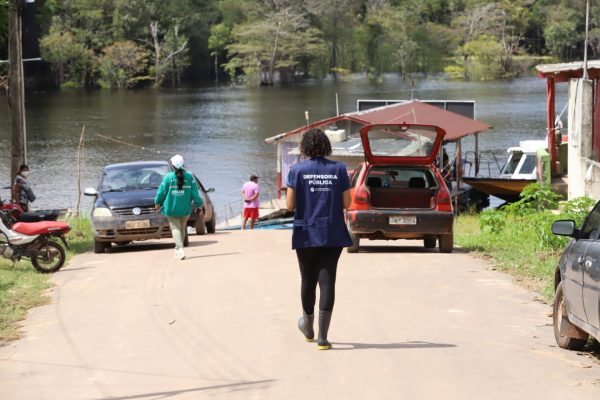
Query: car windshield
{"points": [[402, 142], [133, 177]]}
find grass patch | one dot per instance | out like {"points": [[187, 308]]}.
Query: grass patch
{"points": [[22, 287], [519, 238], [515, 250]]}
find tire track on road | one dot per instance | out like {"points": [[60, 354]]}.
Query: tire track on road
{"points": [[226, 365], [162, 312]]}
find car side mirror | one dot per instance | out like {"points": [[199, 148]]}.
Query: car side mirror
{"points": [[210, 190], [564, 228], [90, 192]]}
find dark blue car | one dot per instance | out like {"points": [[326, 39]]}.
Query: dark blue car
{"points": [[577, 282], [124, 207]]}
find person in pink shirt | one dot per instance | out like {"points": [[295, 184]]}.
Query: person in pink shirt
{"points": [[250, 193]]}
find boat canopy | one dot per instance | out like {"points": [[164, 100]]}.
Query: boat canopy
{"points": [[410, 112]]}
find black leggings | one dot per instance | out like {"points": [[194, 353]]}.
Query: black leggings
{"points": [[318, 265]]}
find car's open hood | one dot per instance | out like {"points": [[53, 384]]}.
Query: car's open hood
{"points": [[401, 144], [137, 198]]}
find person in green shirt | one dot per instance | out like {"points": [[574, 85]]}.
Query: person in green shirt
{"points": [[174, 199]]}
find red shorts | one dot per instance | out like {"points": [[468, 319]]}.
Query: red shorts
{"points": [[250, 213]]}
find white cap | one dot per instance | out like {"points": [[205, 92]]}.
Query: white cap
{"points": [[177, 161]]}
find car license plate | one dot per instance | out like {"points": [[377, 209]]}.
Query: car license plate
{"points": [[403, 220], [141, 224]]}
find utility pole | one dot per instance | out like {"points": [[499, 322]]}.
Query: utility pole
{"points": [[585, 46], [16, 87]]}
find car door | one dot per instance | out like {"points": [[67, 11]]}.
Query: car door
{"points": [[582, 278], [573, 278], [591, 284]]}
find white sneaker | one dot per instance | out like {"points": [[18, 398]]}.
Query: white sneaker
{"points": [[177, 254], [181, 254]]}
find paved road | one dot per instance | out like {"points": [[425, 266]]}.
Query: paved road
{"points": [[409, 323]]}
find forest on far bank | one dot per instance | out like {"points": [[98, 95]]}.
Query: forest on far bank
{"points": [[132, 43]]}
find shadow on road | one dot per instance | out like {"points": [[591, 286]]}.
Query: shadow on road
{"points": [[387, 346], [202, 243], [213, 255], [156, 246], [263, 384], [404, 249]]}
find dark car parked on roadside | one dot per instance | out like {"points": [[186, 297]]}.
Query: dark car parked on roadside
{"points": [[398, 192], [124, 208], [577, 281]]}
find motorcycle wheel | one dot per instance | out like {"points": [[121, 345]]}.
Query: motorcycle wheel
{"points": [[55, 260]]}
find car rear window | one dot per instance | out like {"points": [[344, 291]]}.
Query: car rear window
{"points": [[395, 177], [133, 177]]}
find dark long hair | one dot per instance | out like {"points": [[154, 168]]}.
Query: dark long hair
{"points": [[315, 143], [180, 177]]}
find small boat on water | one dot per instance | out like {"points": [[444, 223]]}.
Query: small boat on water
{"points": [[519, 171]]}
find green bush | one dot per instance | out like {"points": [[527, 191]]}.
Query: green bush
{"points": [[519, 236]]}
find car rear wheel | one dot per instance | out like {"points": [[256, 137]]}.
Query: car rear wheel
{"points": [[564, 330], [355, 243], [211, 225], [100, 247], [446, 243], [429, 242], [200, 224]]}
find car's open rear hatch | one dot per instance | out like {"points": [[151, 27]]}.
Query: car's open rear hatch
{"points": [[401, 144]]}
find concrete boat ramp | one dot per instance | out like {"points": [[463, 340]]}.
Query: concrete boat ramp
{"points": [[408, 323]]}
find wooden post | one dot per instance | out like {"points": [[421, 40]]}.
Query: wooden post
{"points": [[477, 154], [16, 88], [279, 169], [550, 125], [80, 149], [458, 165]]}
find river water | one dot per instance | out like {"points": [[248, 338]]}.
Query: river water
{"points": [[220, 130]]}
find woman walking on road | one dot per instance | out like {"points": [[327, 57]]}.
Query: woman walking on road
{"points": [[318, 191], [174, 196]]}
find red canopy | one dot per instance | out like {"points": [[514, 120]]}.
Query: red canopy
{"points": [[415, 112]]}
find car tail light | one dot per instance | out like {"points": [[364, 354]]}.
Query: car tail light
{"points": [[362, 198], [444, 201]]}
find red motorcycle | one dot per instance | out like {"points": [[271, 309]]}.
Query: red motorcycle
{"points": [[34, 240]]}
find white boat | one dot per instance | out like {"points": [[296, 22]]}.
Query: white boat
{"points": [[519, 171]]}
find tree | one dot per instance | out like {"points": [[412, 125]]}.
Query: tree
{"points": [[170, 55], [484, 55], [594, 34], [282, 41], [393, 28], [122, 64], [336, 19], [3, 23], [69, 59], [562, 38], [220, 35]]}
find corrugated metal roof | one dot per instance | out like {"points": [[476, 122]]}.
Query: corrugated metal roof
{"points": [[352, 147], [566, 71], [412, 112], [573, 66]]}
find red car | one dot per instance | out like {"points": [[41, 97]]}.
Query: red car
{"points": [[398, 192]]}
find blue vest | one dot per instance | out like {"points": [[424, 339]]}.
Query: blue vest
{"points": [[319, 218]]}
